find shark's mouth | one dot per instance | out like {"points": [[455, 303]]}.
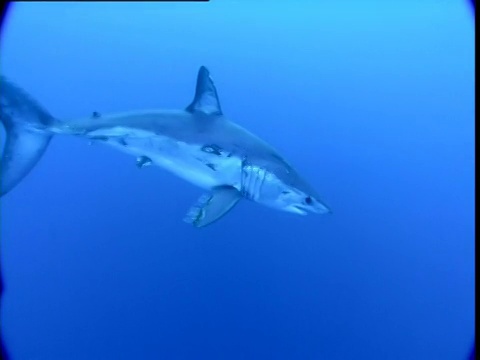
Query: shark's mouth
{"points": [[297, 209], [300, 210], [316, 208]]}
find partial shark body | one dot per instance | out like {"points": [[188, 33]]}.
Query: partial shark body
{"points": [[198, 144]]}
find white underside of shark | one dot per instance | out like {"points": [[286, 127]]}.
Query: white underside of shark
{"points": [[185, 160]]}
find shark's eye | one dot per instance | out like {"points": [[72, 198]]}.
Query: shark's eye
{"points": [[308, 200]]}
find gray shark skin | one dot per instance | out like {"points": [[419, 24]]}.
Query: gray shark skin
{"points": [[198, 144]]}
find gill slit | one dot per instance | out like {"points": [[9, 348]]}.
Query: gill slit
{"points": [[252, 181]]}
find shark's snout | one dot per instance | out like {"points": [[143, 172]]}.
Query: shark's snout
{"points": [[321, 208]]}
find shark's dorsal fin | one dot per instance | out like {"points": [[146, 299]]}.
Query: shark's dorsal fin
{"points": [[206, 98]]}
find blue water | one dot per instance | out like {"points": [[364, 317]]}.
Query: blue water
{"points": [[372, 102]]}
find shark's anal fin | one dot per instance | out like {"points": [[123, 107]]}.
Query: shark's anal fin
{"points": [[211, 207], [206, 97]]}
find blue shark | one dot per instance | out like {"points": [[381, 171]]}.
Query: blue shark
{"points": [[198, 143]]}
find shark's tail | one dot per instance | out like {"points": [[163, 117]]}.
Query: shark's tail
{"points": [[27, 127]]}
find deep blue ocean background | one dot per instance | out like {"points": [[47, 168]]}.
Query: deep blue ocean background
{"points": [[371, 101]]}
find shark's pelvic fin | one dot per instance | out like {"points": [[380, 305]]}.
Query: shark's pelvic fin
{"points": [[143, 161], [206, 99], [211, 207]]}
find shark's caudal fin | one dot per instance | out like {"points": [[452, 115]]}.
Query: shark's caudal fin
{"points": [[26, 124]]}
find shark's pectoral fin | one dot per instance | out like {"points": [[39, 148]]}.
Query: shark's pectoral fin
{"points": [[206, 98], [211, 207]]}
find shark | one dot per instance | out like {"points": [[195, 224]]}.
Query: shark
{"points": [[198, 144]]}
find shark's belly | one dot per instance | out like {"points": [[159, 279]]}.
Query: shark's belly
{"points": [[191, 162]]}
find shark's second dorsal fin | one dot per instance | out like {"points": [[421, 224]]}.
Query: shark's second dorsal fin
{"points": [[206, 98]]}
